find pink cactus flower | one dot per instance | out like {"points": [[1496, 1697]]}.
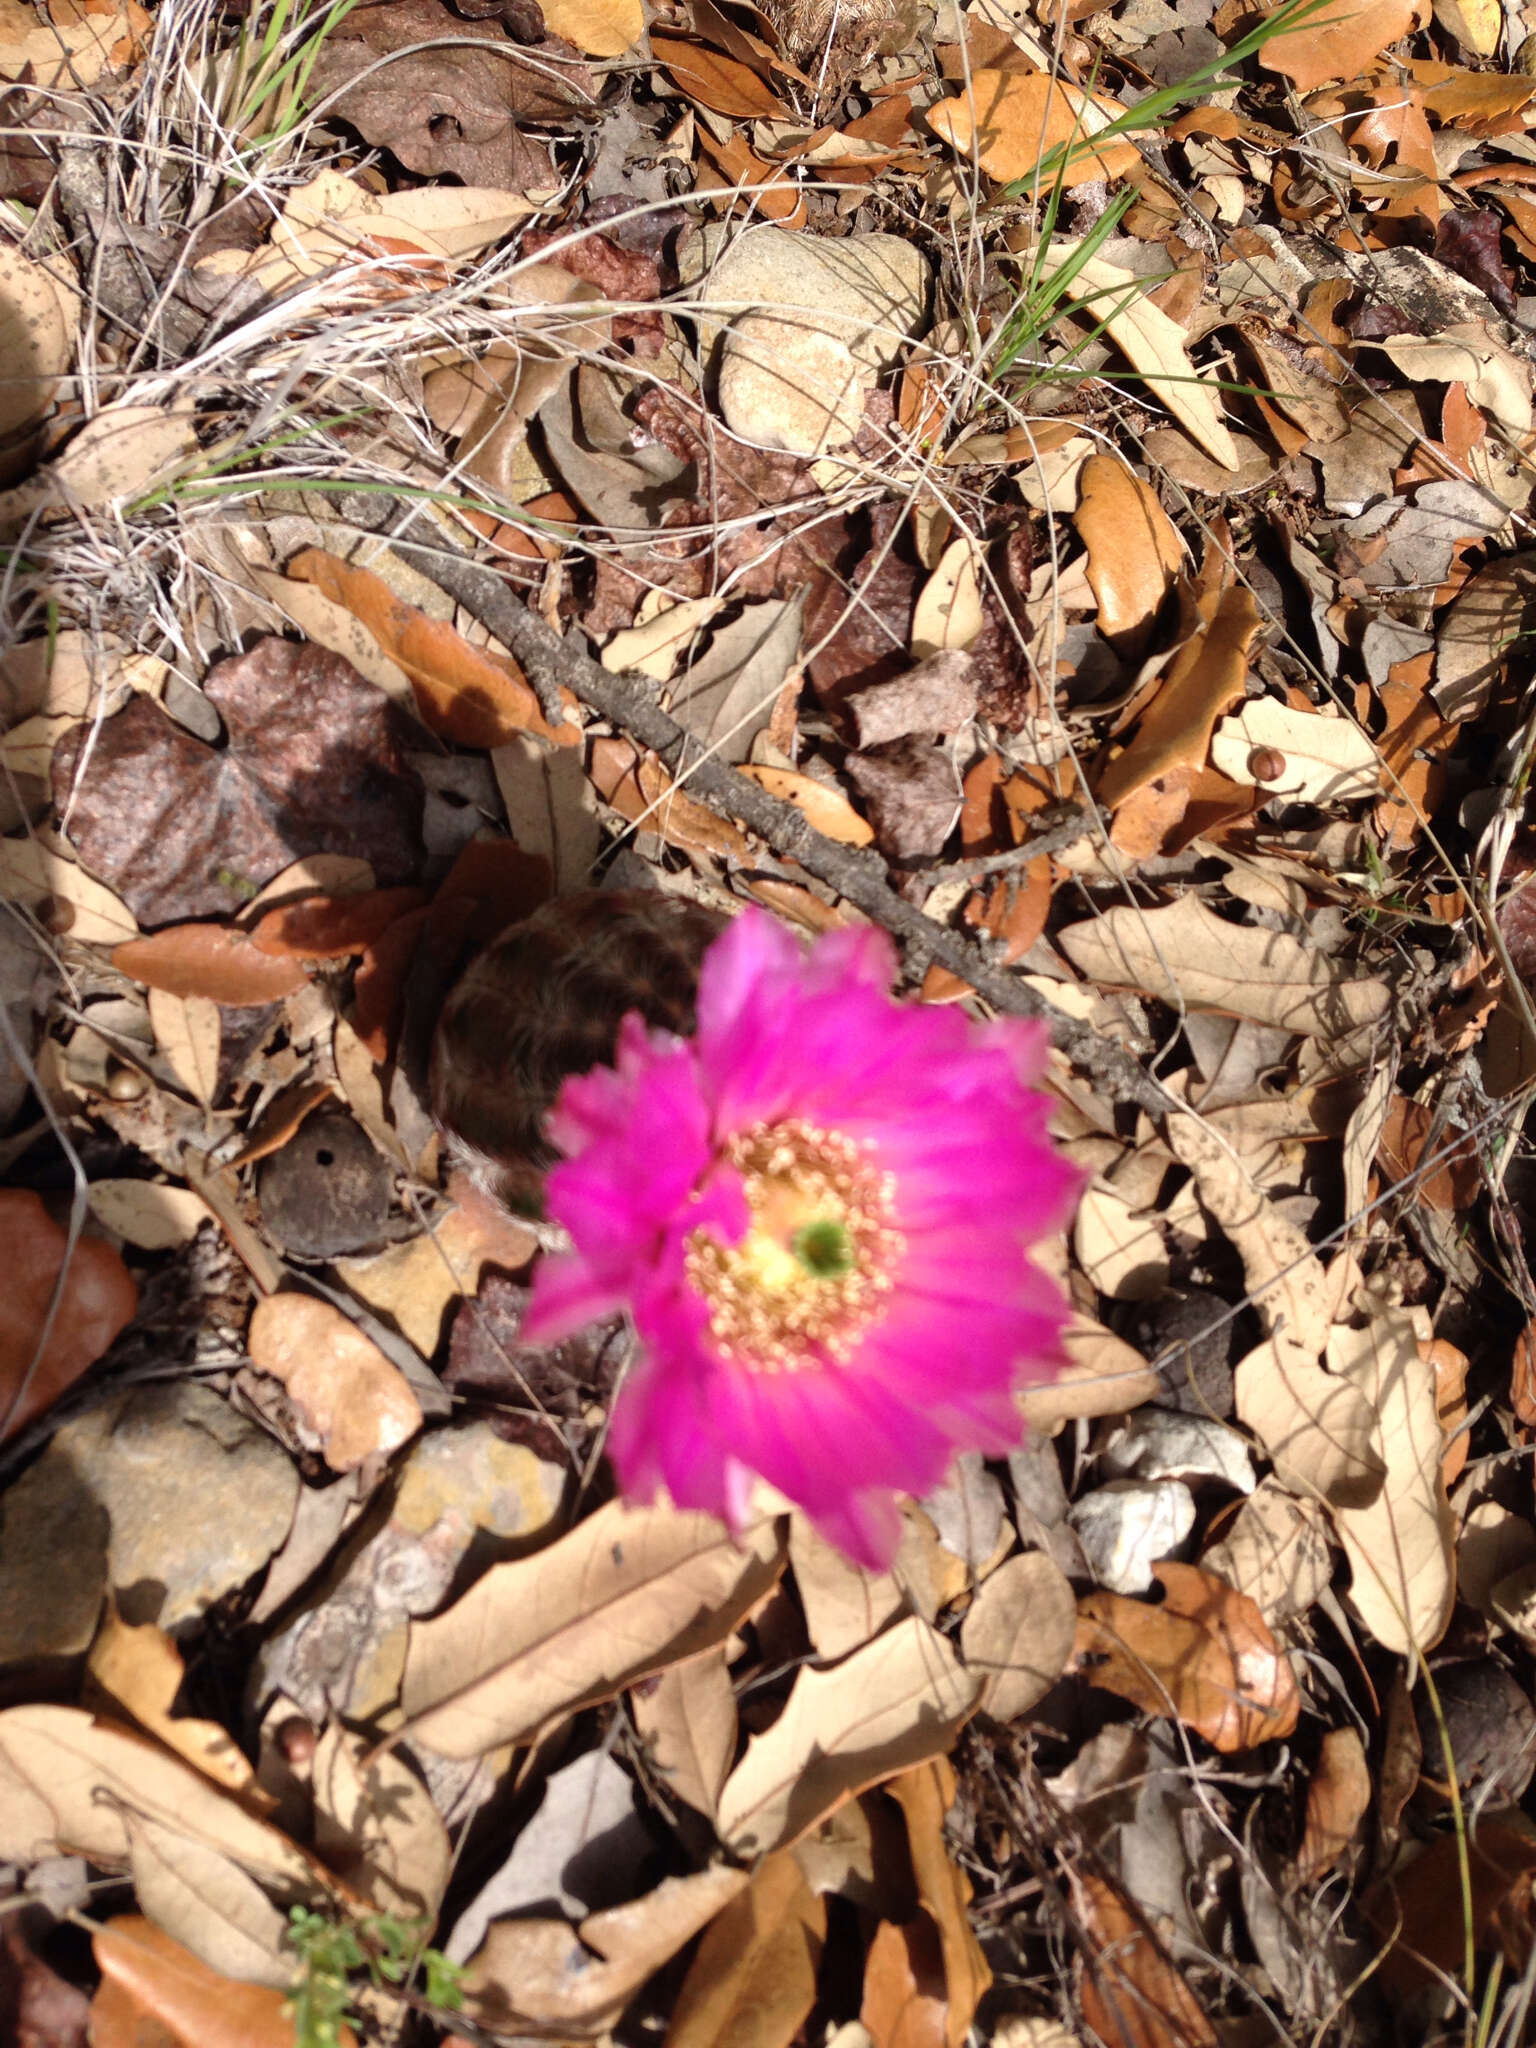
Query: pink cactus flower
{"points": [[817, 1211]]}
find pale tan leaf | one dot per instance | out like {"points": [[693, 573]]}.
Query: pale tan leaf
{"points": [[376, 1826], [656, 646], [844, 1604], [827, 809], [74, 675], [148, 1213], [1401, 1548], [1327, 760], [72, 51], [330, 625], [1285, 1277], [1134, 551], [1189, 957], [188, 1032], [203, 1899], [892, 1704], [551, 808], [27, 749], [1105, 1376], [1018, 1634], [31, 873], [1120, 1249], [1157, 346], [1318, 1430], [1497, 380], [753, 1981], [1276, 1551], [342, 1387], [686, 1717], [142, 1669], [627, 1592], [551, 1975], [948, 612], [120, 454]]}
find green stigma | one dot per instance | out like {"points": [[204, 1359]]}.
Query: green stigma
{"points": [[824, 1249]]}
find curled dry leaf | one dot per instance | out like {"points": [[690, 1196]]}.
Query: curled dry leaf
{"points": [[344, 1389], [1338, 1799], [142, 1670], [753, 1981], [1206, 1656], [1134, 551], [96, 1299], [1189, 957], [1157, 346], [1017, 1637], [894, 1703], [627, 1592], [464, 693], [925, 1796], [150, 1982], [1401, 1547]]}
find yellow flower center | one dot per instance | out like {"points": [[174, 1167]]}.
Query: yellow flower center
{"points": [[814, 1265]]}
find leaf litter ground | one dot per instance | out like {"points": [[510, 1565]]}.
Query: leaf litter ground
{"points": [[1051, 482]]}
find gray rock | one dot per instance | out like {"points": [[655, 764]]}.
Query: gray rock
{"points": [[198, 1497], [53, 1562]]}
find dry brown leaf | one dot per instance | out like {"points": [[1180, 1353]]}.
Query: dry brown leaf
{"points": [[98, 1296], [637, 786], [893, 1704], [342, 1386], [1134, 551], [214, 961], [603, 28], [1131, 1994], [1206, 677], [948, 613], [119, 455], [1341, 43], [686, 1717], [753, 1981], [1276, 1550], [1121, 1249], [627, 1592], [141, 1669], [1189, 957], [147, 1213], [1286, 1279], [376, 1826], [72, 46], [37, 332], [75, 902], [1422, 1911], [556, 1977], [844, 1604], [827, 809], [723, 84], [150, 1981], [904, 2005], [1018, 1634], [1318, 1430], [414, 1283], [1401, 1547], [925, 1796], [1338, 1799], [469, 696], [188, 1032], [1105, 1376], [1206, 1656], [1157, 346], [1010, 121]]}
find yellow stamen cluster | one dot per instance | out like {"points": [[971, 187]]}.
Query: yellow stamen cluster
{"points": [[814, 1266]]}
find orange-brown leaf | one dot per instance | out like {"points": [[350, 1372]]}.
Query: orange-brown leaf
{"points": [[1206, 1656], [1011, 122], [723, 84], [1134, 552], [330, 927], [1338, 1798], [753, 1980], [213, 960], [1132, 1996], [464, 693], [98, 1297], [904, 2003], [1205, 678], [638, 786], [925, 1795], [1341, 43], [150, 1981]]}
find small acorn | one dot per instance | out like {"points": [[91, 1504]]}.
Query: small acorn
{"points": [[544, 1000]]}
